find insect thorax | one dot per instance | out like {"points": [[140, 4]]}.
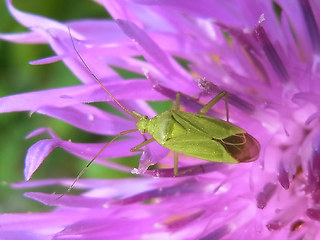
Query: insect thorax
{"points": [[160, 127]]}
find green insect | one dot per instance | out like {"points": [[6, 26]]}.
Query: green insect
{"points": [[195, 135]]}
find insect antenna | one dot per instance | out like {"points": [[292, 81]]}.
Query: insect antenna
{"points": [[94, 158], [132, 113]]}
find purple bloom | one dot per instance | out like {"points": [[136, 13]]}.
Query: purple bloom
{"points": [[265, 54]]}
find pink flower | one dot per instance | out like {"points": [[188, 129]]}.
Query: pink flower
{"points": [[265, 54]]}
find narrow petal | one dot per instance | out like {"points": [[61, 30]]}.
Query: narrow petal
{"points": [[152, 52], [36, 154], [40, 150], [89, 119], [68, 96]]}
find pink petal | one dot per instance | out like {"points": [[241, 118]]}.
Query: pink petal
{"points": [[90, 119], [68, 96], [36, 154], [40, 150], [154, 54]]}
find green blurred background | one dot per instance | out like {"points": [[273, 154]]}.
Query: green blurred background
{"points": [[17, 76]]}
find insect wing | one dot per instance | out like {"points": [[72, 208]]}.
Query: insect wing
{"points": [[208, 126], [242, 147], [212, 139], [200, 146]]}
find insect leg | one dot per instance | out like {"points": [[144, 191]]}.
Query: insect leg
{"points": [[144, 143], [138, 149], [213, 101], [176, 165], [177, 103]]}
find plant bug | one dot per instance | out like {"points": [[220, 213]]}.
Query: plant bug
{"points": [[195, 135]]}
